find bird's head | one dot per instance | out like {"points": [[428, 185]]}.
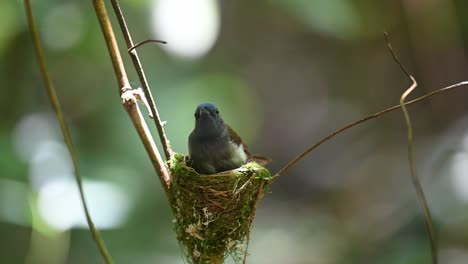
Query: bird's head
{"points": [[208, 121]]}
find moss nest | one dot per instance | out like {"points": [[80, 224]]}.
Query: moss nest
{"points": [[213, 212]]}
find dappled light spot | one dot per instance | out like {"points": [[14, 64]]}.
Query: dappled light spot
{"points": [[459, 168], [190, 27], [60, 206], [31, 131], [50, 162]]}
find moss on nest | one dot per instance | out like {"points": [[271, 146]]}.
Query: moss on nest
{"points": [[213, 212]]}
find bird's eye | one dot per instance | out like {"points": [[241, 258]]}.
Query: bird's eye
{"points": [[217, 112]]}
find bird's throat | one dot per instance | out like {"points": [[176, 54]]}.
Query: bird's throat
{"points": [[209, 129]]}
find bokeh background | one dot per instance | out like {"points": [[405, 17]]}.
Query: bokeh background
{"points": [[284, 74]]}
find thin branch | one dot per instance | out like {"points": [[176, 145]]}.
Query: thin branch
{"points": [[360, 121], [65, 131], [138, 122], [129, 100], [144, 83], [414, 176], [395, 58], [144, 42]]}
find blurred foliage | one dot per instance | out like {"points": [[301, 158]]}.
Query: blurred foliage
{"points": [[284, 74]]}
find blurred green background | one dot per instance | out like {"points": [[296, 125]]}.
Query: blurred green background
{"points": [[284, 74]]}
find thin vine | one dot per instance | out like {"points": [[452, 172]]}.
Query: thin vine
{"points": [[54, 101], [414, 175]]}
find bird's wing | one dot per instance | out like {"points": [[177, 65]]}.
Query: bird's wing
{"points": [[235, 137], [237, 140]]}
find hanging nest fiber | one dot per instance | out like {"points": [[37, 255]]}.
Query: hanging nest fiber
{"points": [[213, 212]]}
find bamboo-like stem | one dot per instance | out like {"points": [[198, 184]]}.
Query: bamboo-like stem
{"points": [[414, 176], [138, 121], [362, 120], [141, 75], [129, 100], [51, 93], [112, 46]]}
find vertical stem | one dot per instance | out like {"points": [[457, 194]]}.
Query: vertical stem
{"points": [[130, 104], [112, 46], [128, 95], [141, 75], [414, 176]]}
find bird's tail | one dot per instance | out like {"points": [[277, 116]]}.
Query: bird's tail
{"points": [[261, 160]]}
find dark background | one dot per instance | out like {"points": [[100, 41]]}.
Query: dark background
{"points": [[284, 74]]}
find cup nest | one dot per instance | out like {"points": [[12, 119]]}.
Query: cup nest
{"points": [[213, 213]]}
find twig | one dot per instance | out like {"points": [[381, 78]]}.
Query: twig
{"points": [[395, 58], [129, 101], [144, 42], [360, 121], [65, 131], [144, 83], [412, 163], [138, 121], [242, 187]]}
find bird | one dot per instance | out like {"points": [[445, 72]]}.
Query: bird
{"points": [[214, 146]]}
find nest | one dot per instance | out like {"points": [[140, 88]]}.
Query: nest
{"points": [[213, 212]]}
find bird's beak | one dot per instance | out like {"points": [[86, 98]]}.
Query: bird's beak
{"points": [[203, 111]]}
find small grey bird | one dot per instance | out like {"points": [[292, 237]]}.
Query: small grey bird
{"points": [[214, 146]]}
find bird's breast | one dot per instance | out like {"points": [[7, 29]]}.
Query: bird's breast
{"points": [[237, 153], [216, 155]]}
